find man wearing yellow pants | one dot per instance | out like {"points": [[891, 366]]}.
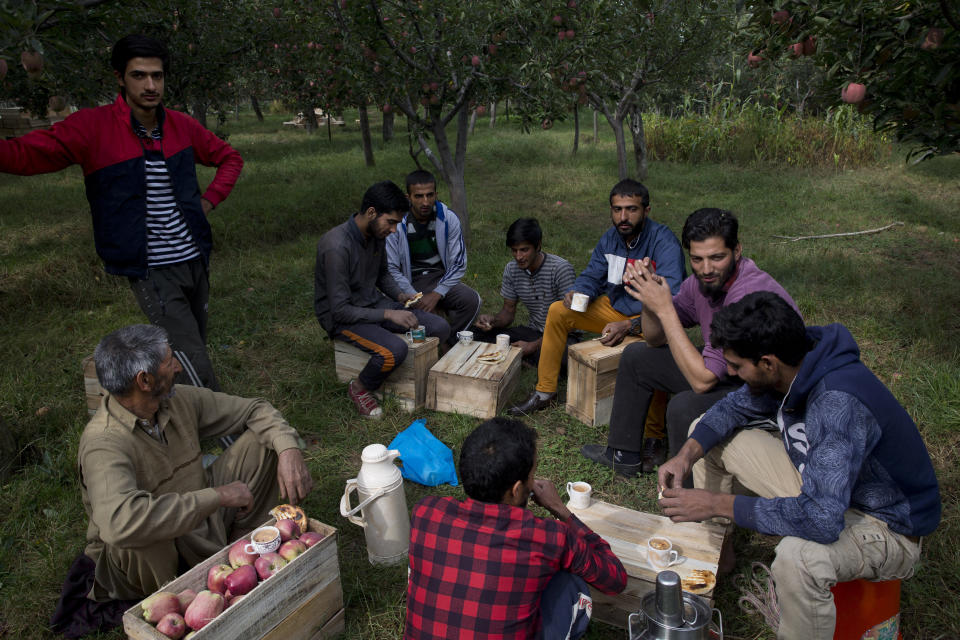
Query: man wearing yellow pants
{"points": [[610, 311]]}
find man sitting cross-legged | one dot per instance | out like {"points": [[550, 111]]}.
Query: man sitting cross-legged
{"points": [[357, 300], [152, 507], [486, 567], [668, 360], [611, 312], [846, 479]]}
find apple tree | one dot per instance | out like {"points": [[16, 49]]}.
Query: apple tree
{"points": [[898, 61]]}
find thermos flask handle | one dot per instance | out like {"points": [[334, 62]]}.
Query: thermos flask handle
{"points": [[345, 509]]}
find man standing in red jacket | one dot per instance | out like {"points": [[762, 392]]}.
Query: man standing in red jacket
{"points": [[149, 217]]}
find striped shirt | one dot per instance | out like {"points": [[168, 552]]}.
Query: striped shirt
{"points": [[168, 238], [538, 290]]}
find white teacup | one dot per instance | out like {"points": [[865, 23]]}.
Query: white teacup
{"points": [[579, 302], [264, 540], [465, 337], [503, 342], [579, 493], [661, 553]]}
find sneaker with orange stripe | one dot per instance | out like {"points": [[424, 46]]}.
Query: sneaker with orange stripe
{"points": [[365, 402]]}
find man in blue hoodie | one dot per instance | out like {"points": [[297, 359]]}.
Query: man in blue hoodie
{"points": [[846, 479], [611, 312], [426, 255]]}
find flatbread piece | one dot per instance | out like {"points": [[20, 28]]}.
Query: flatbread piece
{"points": [[412, 301], [699, 581]]}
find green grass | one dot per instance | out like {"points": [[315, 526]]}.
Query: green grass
{"points": [[897, 292]]}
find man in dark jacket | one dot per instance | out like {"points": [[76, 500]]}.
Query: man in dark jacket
{"points": [[149, 218], [357, 300], [846, 479]]}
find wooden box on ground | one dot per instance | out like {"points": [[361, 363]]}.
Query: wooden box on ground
{"points": [[408, 382], [302, 601], [91, 385], [591, 377], [627, 532], [459, 383]]}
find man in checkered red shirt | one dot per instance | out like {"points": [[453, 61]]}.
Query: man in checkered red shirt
{"points": [[487, 567]]}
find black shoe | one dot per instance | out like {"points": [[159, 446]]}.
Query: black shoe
{"points": [[532, 404], [654, 453], [608, 458]]}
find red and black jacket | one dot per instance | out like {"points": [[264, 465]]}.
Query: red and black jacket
{"points": [[103, 142]]}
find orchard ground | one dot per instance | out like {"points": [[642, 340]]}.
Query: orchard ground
{"points": [[896, 291]]}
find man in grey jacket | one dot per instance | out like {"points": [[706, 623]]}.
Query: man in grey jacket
{"points": [[427, 255], [357, 301]]}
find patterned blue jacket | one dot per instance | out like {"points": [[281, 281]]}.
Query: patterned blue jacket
{"points": [[854, 445]]}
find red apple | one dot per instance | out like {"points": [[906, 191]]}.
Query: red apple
{"points": [[386, 109], [205, 607], [311, 538], [754, 59], [32, 62], [158, 605], [572, 4], [216, 575], [570, 34], [932, 40], [238, 556], [481, 110], [172, 626], [237, 599], [561, 35], [186, 597], [475, 61], [557, 19], [796, 49], [268, 564], [547, 123], [779, 17], [434, 86], [413, 49], [242, 580], [853, 93], [809, 46], [291, 549], [434, 99], [276, 12]]}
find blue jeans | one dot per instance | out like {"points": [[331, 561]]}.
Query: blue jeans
{"points": [[565, 607]]}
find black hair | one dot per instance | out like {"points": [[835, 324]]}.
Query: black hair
{"points": [[494, 456], [711, 223], [524, 230], [137, 45], [761, 323], [631, 188], [384, 197], [420, 176]]}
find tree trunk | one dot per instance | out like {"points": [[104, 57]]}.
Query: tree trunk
{"points": [[451, 167], [311, 117], [506, 110], [236, 109], [473, 120], [596, 127], [493, 114], [617, 126], [576, 128], [639, 143], [329, 126], [365, 135], [256, 108], [388, 117], [200, 112]]}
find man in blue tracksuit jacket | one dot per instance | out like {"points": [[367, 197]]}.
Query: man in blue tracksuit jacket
{"points": [[426, 254], [846, 478]]}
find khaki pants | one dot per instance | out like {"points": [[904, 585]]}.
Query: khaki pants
{"points": [[754, 462], [132, 573]]}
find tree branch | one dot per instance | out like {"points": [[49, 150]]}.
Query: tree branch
{"points": [[841, 235]]}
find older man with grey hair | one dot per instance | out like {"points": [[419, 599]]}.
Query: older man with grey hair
{"points": [[152, 506]]}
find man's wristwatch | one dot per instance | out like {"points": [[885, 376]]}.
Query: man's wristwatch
{"points": [[636, 327]]}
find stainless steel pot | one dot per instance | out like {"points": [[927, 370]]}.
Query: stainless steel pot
{"points": [[668, 613]]}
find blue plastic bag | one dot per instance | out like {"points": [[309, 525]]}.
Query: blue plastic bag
{"points": [[425, 459]]}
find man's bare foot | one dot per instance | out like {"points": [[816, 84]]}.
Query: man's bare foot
{"points": [[728, 557]]}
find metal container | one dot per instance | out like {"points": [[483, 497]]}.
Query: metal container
{"points": [[668, 613], [383, 506]]}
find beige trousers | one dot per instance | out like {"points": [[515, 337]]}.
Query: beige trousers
{"points": [[131, 573], [754, 462]]}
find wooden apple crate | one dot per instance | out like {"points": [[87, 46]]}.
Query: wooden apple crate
{"points": [[458, 383], [408, 382], [302, 601], [91, 385], [591, 378], [627, 532]]}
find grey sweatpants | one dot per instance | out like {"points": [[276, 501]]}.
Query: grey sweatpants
{"points": [[461, 304]]}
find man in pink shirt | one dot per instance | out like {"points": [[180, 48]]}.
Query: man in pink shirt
{"points": [[668, 360]]}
